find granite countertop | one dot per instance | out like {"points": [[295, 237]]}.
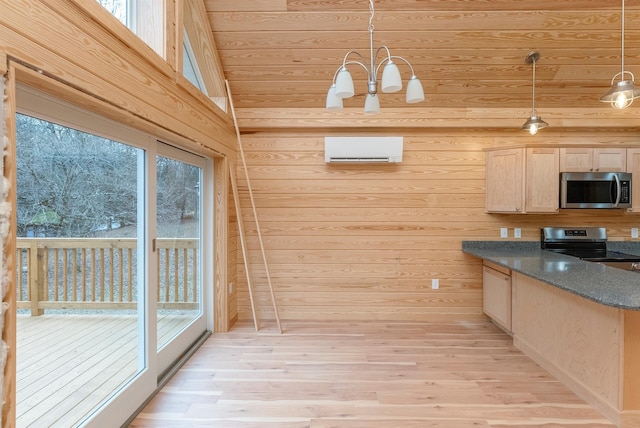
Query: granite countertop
{"points": [[594, 281]]}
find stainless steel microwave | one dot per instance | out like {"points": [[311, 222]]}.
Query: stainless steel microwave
{"points": [[595, 190]]}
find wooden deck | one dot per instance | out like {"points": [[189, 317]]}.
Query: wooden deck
{"points": [[69, 364], [373, 375]]}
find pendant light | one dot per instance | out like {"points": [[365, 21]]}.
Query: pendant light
{"points": [[535, 122], [622, 93], [342, 86]]}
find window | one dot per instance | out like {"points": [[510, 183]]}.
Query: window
{"points": [[118, 8], [190, 68], [146, 18]]}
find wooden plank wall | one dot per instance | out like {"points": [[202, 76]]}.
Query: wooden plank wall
{"points": [[234, 258], [361, 242], [82, 45]]}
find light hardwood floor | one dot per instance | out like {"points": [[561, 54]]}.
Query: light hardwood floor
{"points": [[375, 374]]}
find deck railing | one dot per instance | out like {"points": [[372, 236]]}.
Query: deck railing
{"points": [[97, 273]]}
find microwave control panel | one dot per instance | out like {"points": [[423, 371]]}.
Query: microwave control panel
{"points": [[625, 186]]}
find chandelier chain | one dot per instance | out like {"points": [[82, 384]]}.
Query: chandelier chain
{"points": [[372, 12]]}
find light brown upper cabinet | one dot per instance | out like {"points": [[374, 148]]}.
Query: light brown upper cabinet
{"points": [[522, 180], [633, 166], [584, 159], [505, 180]]}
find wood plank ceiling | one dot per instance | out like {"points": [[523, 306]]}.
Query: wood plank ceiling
{"points": [[467, 53]]}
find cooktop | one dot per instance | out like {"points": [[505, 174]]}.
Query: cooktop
{"points": [[587, 243], [600, 256]]}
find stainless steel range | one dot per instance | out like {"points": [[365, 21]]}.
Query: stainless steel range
{"points": [[586, 243]]}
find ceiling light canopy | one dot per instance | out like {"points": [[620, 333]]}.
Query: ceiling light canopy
{"points": [[535, 122], [622, 93], [342, 86]]}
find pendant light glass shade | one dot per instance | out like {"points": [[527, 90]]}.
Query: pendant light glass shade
{"points": [[391, 80], [344, 84], [372, 104], [533, 124], [333, 102], [415, 92], [622, 93]]}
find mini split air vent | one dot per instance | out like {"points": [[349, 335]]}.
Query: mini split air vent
{"points": [[363, 149]]}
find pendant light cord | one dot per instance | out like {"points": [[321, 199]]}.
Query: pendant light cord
{"points": [[622, 52], [533, 89]]}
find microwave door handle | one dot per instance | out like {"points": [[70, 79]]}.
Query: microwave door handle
{"points": [[618, 190]]}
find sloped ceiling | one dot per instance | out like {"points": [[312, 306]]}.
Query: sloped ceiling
{"points": [[467, 53]]}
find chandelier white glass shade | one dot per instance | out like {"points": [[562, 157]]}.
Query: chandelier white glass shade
{"points": [[534, 122], [372, 103], [342, 86], [622, 93]]}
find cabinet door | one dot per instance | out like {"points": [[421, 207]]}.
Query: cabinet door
{"points": [[496, 296], [505, 180], [582, 159], [633, 166], [542, 182], [610, 159], [576, 159]]}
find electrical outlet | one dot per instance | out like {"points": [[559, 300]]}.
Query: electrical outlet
{"points": [[230, 287], [504, 232], [634, 232], [435, 284], [517, 232]]}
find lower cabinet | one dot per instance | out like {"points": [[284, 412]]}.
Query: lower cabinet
{"points": [[496, 294], [591, 348]]}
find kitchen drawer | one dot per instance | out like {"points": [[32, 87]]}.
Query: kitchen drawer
{"points": [[496, 295]]}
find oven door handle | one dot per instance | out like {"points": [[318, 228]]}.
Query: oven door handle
{"points": [[618, 190]]}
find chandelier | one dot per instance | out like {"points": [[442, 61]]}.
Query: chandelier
{"points": [[342, 86], [622, 93]]}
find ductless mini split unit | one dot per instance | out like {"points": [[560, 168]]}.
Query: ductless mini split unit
{"points": [[363, 149]]}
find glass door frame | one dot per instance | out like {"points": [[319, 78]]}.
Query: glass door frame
{"points": [[35, 103], [171, 352], [134, 393]]}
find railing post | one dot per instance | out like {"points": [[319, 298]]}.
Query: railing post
{"points": [[36, 283]]}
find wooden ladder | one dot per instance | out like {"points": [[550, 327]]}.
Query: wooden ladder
{"points": [[243, 242]]}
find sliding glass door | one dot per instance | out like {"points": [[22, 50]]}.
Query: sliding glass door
{"points": [[110, 253], [81, 290], [178, 248]]}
